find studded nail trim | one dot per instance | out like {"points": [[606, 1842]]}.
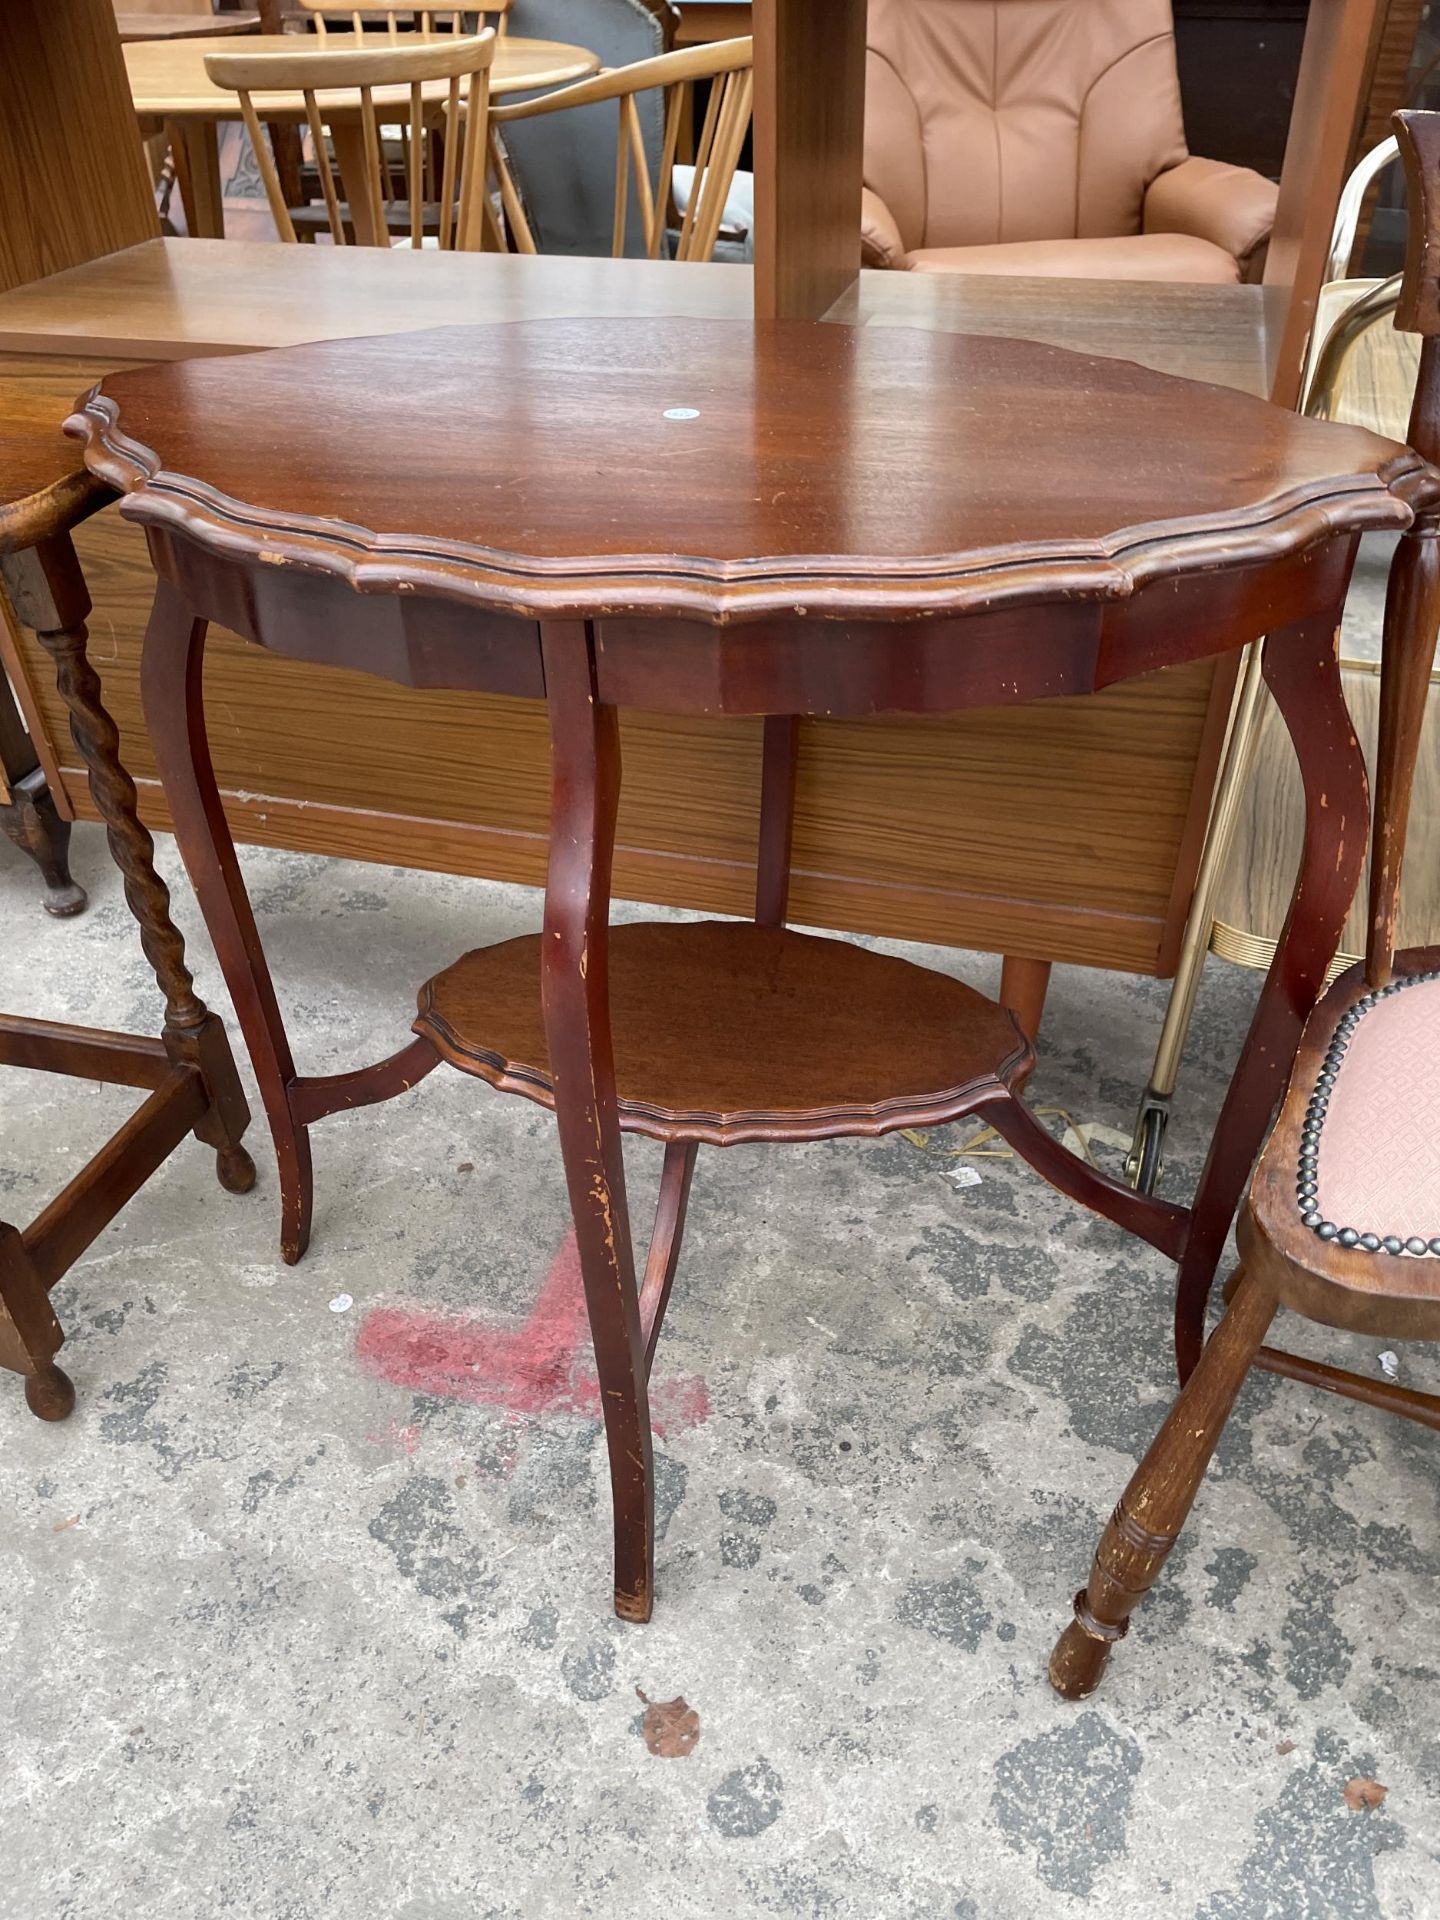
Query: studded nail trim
{"points": [[1307, 1173]]}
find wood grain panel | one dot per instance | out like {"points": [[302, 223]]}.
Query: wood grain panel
{"points": [[1255, 892], [176, 299], [1377, 376], [964, 793], [73, 182], [14, 676]]}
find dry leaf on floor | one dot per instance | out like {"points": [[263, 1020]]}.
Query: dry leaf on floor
{"points": [[671, 1727], [1361, 1792], [1286, 1746]]}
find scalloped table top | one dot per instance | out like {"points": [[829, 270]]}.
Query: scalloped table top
{"points": [[721, 467]]}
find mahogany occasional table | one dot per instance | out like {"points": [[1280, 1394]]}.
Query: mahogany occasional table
{"points": [[724, 517], [187, 1071]]}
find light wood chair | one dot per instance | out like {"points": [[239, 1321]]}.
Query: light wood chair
{"points": [[1342, 1224], [397, 21], [459, 117], [728, 66]]}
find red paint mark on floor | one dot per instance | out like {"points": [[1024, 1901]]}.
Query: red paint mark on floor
{"points": [[542, 1367]]}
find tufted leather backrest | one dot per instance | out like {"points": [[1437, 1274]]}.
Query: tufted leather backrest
{"points": [[992, 120]]}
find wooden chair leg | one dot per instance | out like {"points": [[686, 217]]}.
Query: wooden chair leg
{"points": [[1152, 1510], [49, 592], [1023, 987], [57, 604], [30, 1335], [170, 684], [575, 989], [30, 821]]}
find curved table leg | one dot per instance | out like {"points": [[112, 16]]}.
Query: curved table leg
{"points": [[171, 689], [663, 1258], [576, 993], [1303, 671]]}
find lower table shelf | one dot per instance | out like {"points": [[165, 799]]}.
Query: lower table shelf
{"points": [[726, 1031]]}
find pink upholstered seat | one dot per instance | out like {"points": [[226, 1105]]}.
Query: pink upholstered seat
{"points": [[1378, 1161]]}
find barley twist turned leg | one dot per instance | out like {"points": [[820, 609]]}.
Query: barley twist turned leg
{"points": [[97, 740], [1153, 1508], [30, 1335], [31, 821], [50, 594]]}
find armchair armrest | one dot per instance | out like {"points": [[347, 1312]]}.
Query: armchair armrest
{"points": [[1233, 207], [880, 242]]}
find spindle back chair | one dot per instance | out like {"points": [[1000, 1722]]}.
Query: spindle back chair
{"points": [[398, 22], [459, 116]]}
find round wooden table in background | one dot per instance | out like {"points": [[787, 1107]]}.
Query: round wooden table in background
{"points": [[183, 26], [173, 92]]}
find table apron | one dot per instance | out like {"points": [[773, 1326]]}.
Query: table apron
{"points": [[994, 658], [436, 636], [415, 639]]}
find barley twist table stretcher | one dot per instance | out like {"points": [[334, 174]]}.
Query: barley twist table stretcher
{"points": [[186, 1071], [715, 517]]}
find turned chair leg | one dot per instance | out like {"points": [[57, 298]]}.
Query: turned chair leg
{"points": [[30, 820], [50, 593], [30, 1335], [1153, 1508]]}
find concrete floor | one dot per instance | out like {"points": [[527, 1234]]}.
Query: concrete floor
{"points": [[306, 1611]]}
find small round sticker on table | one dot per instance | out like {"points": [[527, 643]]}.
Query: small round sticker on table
{"points": [[682, 413]]}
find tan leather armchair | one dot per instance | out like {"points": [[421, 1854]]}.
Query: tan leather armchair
{"points": [[1045, 137]]}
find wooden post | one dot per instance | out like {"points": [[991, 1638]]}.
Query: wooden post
{"points": [[809, 134], [1342, 43], [73, 180], [284, 140]]}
